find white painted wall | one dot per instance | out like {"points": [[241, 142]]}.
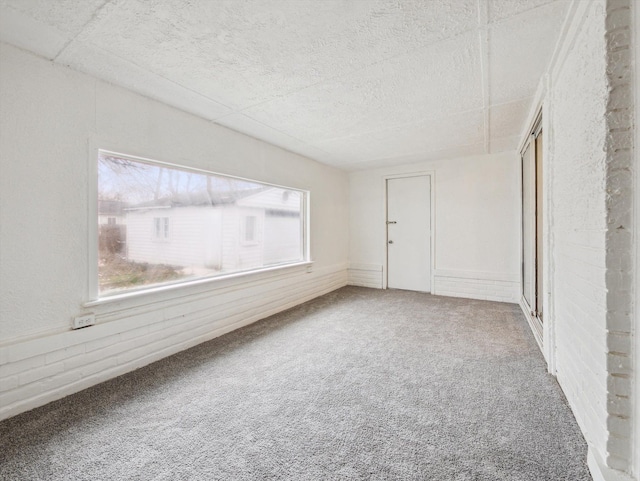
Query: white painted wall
{"points": [[636, 331], [50, 117], [577, 106], [477, 204], [588, 123]]}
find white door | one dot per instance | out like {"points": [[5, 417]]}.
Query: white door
{"points": [[409, 233]]}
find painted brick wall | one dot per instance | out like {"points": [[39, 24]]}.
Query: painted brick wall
{"points": [[476, 285], [577, 103], [590, 104], [52, 116], [34, 372], [365, 275], [619, 201]]}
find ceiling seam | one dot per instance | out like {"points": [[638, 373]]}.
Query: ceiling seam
{"points": [[91, 19], [180, 86], [521, 13], [483, 25], [483, 38], [484, 110]]}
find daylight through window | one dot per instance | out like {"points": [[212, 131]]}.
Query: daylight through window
{"points": [[159, 223]]}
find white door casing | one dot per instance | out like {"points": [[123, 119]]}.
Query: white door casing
{"points": [[409, 233]]}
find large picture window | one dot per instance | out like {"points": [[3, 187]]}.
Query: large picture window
{"points": [[160, 223]]}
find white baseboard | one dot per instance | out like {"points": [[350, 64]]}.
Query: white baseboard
{"points": [[365, 275], [489, 286]]}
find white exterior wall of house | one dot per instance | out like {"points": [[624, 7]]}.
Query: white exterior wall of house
{"points": [[244, 254], [104, 219], [238, 255], [214, 237], [53, 119], [282, 242], [280, 230], [275, 199], [194, 237]]}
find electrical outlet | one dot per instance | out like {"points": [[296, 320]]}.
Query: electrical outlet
{"points": [[309, 269], [84, 321]]}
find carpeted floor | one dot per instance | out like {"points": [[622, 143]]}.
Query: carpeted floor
{"points": [[358, 384]]}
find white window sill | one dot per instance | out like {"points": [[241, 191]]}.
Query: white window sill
{"points": [[176, 286]]}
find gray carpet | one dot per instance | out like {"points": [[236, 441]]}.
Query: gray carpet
{"points": [[358, 384]]}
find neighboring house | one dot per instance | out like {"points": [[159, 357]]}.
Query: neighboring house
{"points": [[213, 234], [112, 228], [111, 212]]}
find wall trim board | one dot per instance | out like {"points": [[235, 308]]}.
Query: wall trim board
{"points": [[366, 267], [568, 35], [485, 285], [473, 287], [365, 275], [46, 369], [484, 275], [492, 286], [549, 327]]}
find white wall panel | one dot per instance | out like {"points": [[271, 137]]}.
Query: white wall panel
{"points": [[51, 115], [476, 224]]}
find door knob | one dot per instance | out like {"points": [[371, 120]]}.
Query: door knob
{"points": [[390, 242]]}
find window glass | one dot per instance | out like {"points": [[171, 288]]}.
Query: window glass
{"points": [[164, 223], [250, 228]]}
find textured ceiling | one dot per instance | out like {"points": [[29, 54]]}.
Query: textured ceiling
{"points": [[352, 83]]}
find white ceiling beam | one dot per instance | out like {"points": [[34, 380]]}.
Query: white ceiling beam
{"points": [[483, 39]]}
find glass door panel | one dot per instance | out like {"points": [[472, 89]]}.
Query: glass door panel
{"points": [[528, 226]]}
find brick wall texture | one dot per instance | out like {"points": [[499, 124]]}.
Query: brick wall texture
{"points": [[591, 117]]}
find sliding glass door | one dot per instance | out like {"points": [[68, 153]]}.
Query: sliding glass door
{"points": [[532, 228]]}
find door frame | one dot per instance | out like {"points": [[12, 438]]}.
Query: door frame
{"points": [[432, 256]]}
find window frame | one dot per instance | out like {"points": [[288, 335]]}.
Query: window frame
{"points": [[92, 293]]}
